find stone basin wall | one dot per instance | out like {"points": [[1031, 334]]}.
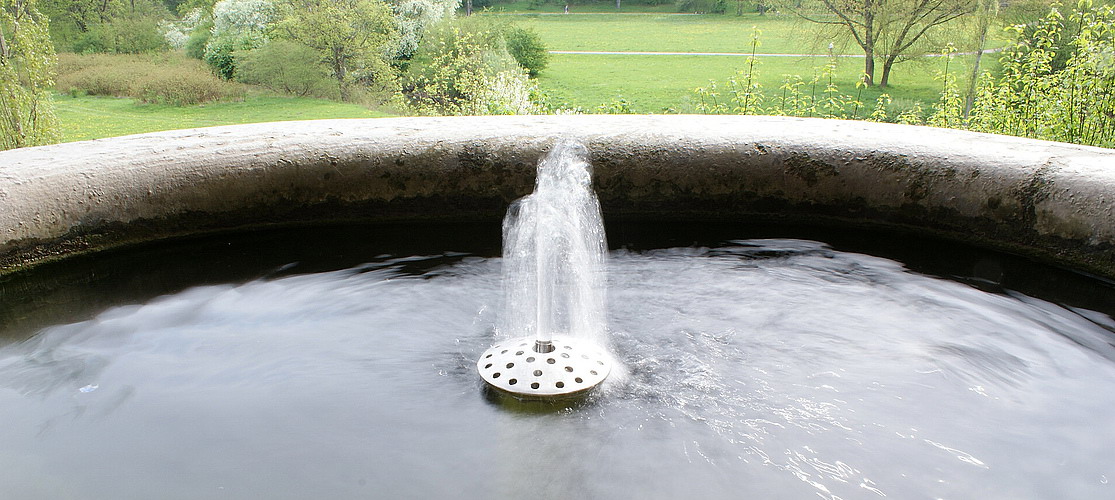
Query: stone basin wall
{"points": [[1048, 200]]}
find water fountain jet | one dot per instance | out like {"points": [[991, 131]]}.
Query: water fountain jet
{"points": [[553, 249]]}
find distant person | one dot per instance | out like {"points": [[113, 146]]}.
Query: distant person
{"points": [[566, 8]]}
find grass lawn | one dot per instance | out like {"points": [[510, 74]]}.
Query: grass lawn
{"points": [[655, 83], [89, 117], [674, 33]]}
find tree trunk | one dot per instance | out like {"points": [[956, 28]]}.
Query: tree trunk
{"points": [[617, 4], [887, 64], [985, 22], [468, 7], [868, 47], [340, 72]]}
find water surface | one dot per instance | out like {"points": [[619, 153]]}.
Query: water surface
{"points": [[763, 368]]}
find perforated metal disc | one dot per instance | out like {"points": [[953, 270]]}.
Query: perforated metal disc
{"points": [[517, 367]]}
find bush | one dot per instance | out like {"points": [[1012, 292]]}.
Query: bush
{"points": [[287, 67], [527, 48], [199, 37], [122, 36], [180, 86], [171, 79]]}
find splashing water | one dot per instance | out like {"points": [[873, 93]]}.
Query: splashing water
{"points": [[553, 249]]}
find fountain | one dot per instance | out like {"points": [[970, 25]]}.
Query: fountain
{"points": [[553, 250], [797, 308]]}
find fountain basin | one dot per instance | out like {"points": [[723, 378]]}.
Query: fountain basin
{"points": [[282, 362], [1047, 200]]}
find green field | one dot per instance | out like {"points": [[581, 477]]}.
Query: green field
{"points": [[655, 84], [89, 117], [658, 83]]}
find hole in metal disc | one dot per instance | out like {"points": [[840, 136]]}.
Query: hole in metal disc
{"points": [[565, 355], [568, 347], [585, 356], [489, 365], [503, 351], [519, 353], [488, 356], [509, 365], [512, 381], [593, 372], [537, 373], [569, 369], [601, 363], [534, 385], [530, 359], [551, 360], [495, 375], [578, 380], [560, 385]]}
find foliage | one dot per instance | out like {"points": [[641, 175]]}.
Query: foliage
{"points": [[618, 106], [122, 36], [884, 29], [198, 39], [415, 17], [466, 70], [353, 37], [237, 25], [178, 33], [27, 62], [166, 79], [179, 86], [1033, 98], [286, 67], [743, 94], [702, 6], [527, 48], [115, 26]]}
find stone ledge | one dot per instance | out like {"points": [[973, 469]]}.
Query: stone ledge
{"points": [[1041, 198]]}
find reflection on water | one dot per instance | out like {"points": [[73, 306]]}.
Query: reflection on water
{"points": [[761, 369]]}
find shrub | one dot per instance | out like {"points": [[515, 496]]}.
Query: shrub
{"points": [[288, 67], [113, 79], [199, 38], [165, 79], [179, 86], [527, 48], [122, 36]]}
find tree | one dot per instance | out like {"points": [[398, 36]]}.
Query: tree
{"points": [[27, 63], [884, 29], [351, 36], [415, 17], [237, 25], [527, 48]]}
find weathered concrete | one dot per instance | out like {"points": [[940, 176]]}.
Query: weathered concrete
{"points": [[1041, 198]]}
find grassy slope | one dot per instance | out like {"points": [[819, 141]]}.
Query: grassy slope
{"points": [[87, 117], [656, 83]]}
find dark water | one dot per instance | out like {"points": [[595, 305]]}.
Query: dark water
{"points": [[760, 368]]}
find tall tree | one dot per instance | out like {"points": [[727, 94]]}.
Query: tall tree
{"points": [[886, 30], [27, 63], [352, 36]]}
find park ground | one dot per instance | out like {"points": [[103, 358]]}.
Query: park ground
{"points": [[579, 79]]}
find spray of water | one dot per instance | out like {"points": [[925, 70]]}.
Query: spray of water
{"points": [[553, 250]]}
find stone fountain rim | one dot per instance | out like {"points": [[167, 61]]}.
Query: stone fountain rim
{"points": [[1044, 199]]}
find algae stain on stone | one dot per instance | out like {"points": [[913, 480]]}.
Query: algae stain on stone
{"points": [[809, 169]]}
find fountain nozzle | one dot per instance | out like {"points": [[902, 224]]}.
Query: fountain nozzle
{"points": [[527, 368]]}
